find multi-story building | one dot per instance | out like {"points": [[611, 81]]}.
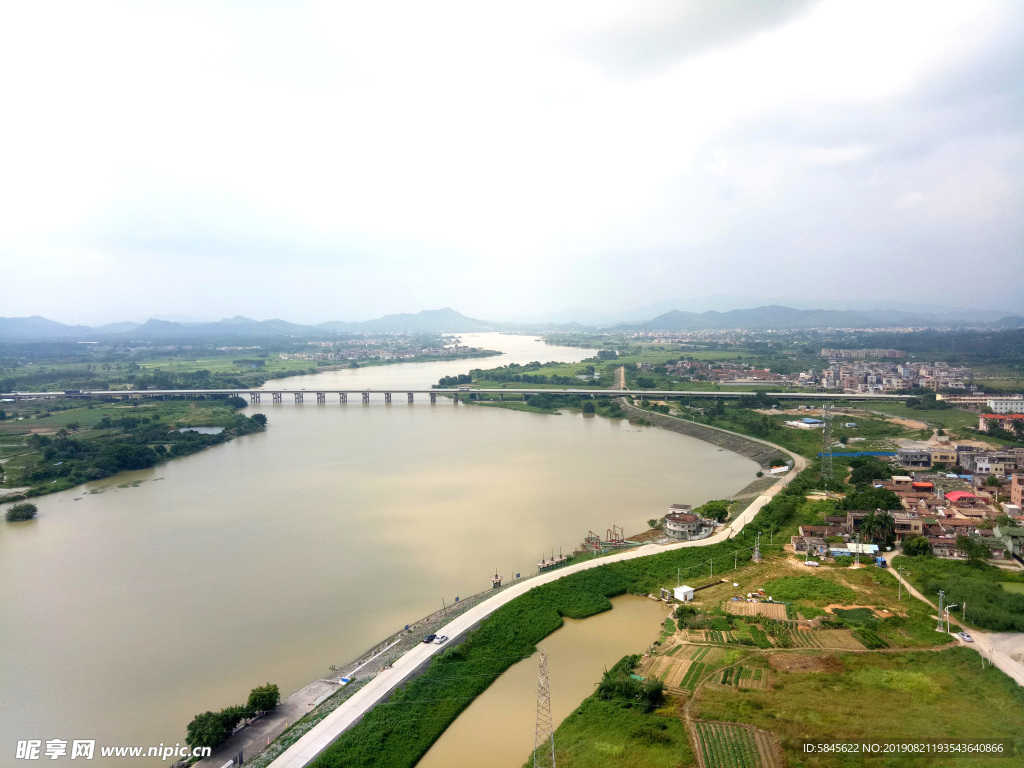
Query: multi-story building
{"points": [[1005, 404]]}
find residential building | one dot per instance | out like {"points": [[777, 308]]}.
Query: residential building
{"points": [[943, 454], [685, 526], [914, 458], [1005, 404]]}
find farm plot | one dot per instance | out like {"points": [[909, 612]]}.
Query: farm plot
{"points": [[837, 638], [743, 677], [770, 610], [722, 745]]}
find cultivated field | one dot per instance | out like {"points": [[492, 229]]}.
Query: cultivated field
{"points": [[724, 745], [769, 610]]}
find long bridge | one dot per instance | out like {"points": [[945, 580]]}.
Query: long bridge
{"points": [[277, 395]]}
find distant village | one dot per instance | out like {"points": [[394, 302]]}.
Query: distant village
{"points": [[376, 349], [849, 370], [941, 507]]}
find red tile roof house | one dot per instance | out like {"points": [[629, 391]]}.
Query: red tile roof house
{"points": [[1005, 421], [963, 499]]}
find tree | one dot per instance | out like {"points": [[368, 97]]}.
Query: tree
{"points": [[915, 546], [588, 406], [259, 418], [209, 729], [654, 523], [877, 525], [236, 402], [20, 512], [992, 481], [872, 498], [263, 698], [973, 548]]}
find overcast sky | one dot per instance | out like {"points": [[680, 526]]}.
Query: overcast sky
{"points": [[318, 161]]}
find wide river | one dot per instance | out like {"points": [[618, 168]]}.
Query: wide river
{"points": [[125, 611]]}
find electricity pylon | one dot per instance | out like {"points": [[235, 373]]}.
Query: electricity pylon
{"points": [[544, 735]]}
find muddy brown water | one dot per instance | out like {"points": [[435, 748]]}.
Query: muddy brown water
{"points": [[497, 729], [125, 611]]}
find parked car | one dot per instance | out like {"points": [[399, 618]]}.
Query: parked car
{"points": [[429, 638], [441, 639], [812, 563], [965, 637]]}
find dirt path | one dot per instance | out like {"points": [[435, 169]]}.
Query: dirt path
{"points": [[1003, 649], [620, 377]]}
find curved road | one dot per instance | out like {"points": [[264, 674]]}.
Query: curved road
{"points": [[349, 713], [1003, 649]]}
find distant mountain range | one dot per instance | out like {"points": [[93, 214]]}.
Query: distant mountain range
{"points": [[428, 321], [37, 328], [780, 318]]}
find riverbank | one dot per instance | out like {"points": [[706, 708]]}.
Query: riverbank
{"points": [[44, 452], [412, 665]]}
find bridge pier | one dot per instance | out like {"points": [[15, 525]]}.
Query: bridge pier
{"points": [[276, 397], [254, 397], [343, 397], [455, 398], [409, 395], [387, 398], [298, 397], [366, 398], [433, 397], [501, 396], [321, 398]]}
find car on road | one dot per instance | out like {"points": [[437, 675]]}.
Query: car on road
{"points": [[429, 638], [965, 637], [440, 639]]}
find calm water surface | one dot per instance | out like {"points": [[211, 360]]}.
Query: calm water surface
{"points": [[497, 729], [126, 611]]}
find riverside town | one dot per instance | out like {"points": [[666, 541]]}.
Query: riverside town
{"points": [[619, 385]]}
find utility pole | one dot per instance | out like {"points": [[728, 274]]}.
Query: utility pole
{"points": [[826, 444], [712, 567], [899, 582], [939, 627], [948, 607], [757, 549], [857, 553], [445, 608], [543, 735], [735, 560]]}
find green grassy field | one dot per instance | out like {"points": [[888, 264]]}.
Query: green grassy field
{"points": [[906, 695], [950, 418], [606, 734]]}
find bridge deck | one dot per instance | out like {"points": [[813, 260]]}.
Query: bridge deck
{"points": [[641, 393]]}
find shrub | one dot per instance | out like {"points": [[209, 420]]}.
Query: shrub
{"points": [[20, 512]]}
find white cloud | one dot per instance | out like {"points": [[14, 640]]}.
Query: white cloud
{"points": [[395, 135]]}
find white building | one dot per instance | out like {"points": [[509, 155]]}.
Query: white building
{"points": [[1005, 405], [684, 594]]}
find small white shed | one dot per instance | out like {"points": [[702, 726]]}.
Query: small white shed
{"points": [[684, 594]]}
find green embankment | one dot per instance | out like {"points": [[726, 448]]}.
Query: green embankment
{"points": [[399, 732]]}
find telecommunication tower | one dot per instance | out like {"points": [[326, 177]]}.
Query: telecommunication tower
{"points": [[544, 736], [826, 443]]}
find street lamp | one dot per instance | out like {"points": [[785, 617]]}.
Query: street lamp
{"points": [[947, 616]]}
